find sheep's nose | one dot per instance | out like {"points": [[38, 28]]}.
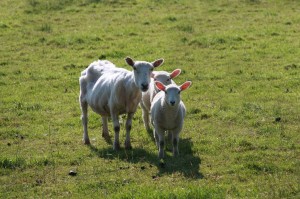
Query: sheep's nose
{"points": [[172, 103], [145, 87]]}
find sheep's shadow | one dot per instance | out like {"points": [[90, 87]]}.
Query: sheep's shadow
{"points": [[186, 163]]}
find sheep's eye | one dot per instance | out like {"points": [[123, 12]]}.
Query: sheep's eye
{"points": [[179, 92], [151, 69], [134, 68], [155, 79], [166, 92], [168, 79]]}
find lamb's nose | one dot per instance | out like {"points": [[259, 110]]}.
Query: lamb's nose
{"points": [[172, 103], [144, 87]]}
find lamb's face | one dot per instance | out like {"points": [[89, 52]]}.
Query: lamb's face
{"points": [[165, 77], [172, 95], [142, 72], [172, 91]]}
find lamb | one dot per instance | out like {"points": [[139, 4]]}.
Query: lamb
{"points": [[147, 97], [111, 91], [167, 114]]}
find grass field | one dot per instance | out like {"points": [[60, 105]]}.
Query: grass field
{"points": [[241, 134]]}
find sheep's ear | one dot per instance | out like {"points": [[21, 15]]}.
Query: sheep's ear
{"points": [[129, 61], [175, 73], [185, 85], [160, 85], [158, 62]]}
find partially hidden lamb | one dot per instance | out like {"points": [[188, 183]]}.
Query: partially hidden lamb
{"points": [[147, 97]]}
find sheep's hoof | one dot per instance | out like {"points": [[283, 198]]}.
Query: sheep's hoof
{"points": [[170, 136], [105, 135], [150, 132], [107, 138], [161, 155], [162, 163], [175, 154], [116, 146], [148, 129], [128, 145], [86, 142]]}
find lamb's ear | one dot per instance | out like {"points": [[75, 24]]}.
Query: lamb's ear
{"points": [[152, 74], [158, 62], [175, 73], [129, 61], [185, 85], [160, 85]]}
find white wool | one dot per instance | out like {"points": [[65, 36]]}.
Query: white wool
{"points": [[111, 91], [167, 114], [162, 76]]}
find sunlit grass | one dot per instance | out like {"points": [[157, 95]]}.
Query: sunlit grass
{"points": [[241, 133]]}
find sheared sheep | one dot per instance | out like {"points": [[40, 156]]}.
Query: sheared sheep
{"points": [[111, 91]]}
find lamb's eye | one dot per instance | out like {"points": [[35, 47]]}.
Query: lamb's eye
{"points": [[155, 79], [179, 92], [134, 68], [151, 69], [168, 79], [166, 92]]}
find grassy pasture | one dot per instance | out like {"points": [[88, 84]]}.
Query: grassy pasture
{"points": [[241, 134]]}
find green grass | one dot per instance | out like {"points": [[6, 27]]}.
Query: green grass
{"points": [[241, 134]]}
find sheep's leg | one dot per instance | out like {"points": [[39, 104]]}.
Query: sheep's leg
{"points": [[175, 140], [84, 119], [116, 124], [105, 133], [161, 146], [128, 129], [146, 118], [169, 135], [156, 138]]}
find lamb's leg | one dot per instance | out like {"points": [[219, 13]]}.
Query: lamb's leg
{"points": [[161, 146], [128, 129], [116, 124], [156, 138], [175, 139], [105, 133], [84, 119], [169, 135]]}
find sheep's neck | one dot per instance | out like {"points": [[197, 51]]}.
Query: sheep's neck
{"points": [[133, 95], [170, 111]]}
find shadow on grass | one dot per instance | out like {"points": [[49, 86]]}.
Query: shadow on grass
{"points": [[186, 163]]}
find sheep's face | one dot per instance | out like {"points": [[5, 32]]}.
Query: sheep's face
{"points": [[142, 72], [172, 92], [165, 77], [172, 95]]}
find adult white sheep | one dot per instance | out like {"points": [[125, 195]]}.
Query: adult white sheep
{"points": [[167, 114], [111, 91], [147, 97]]}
